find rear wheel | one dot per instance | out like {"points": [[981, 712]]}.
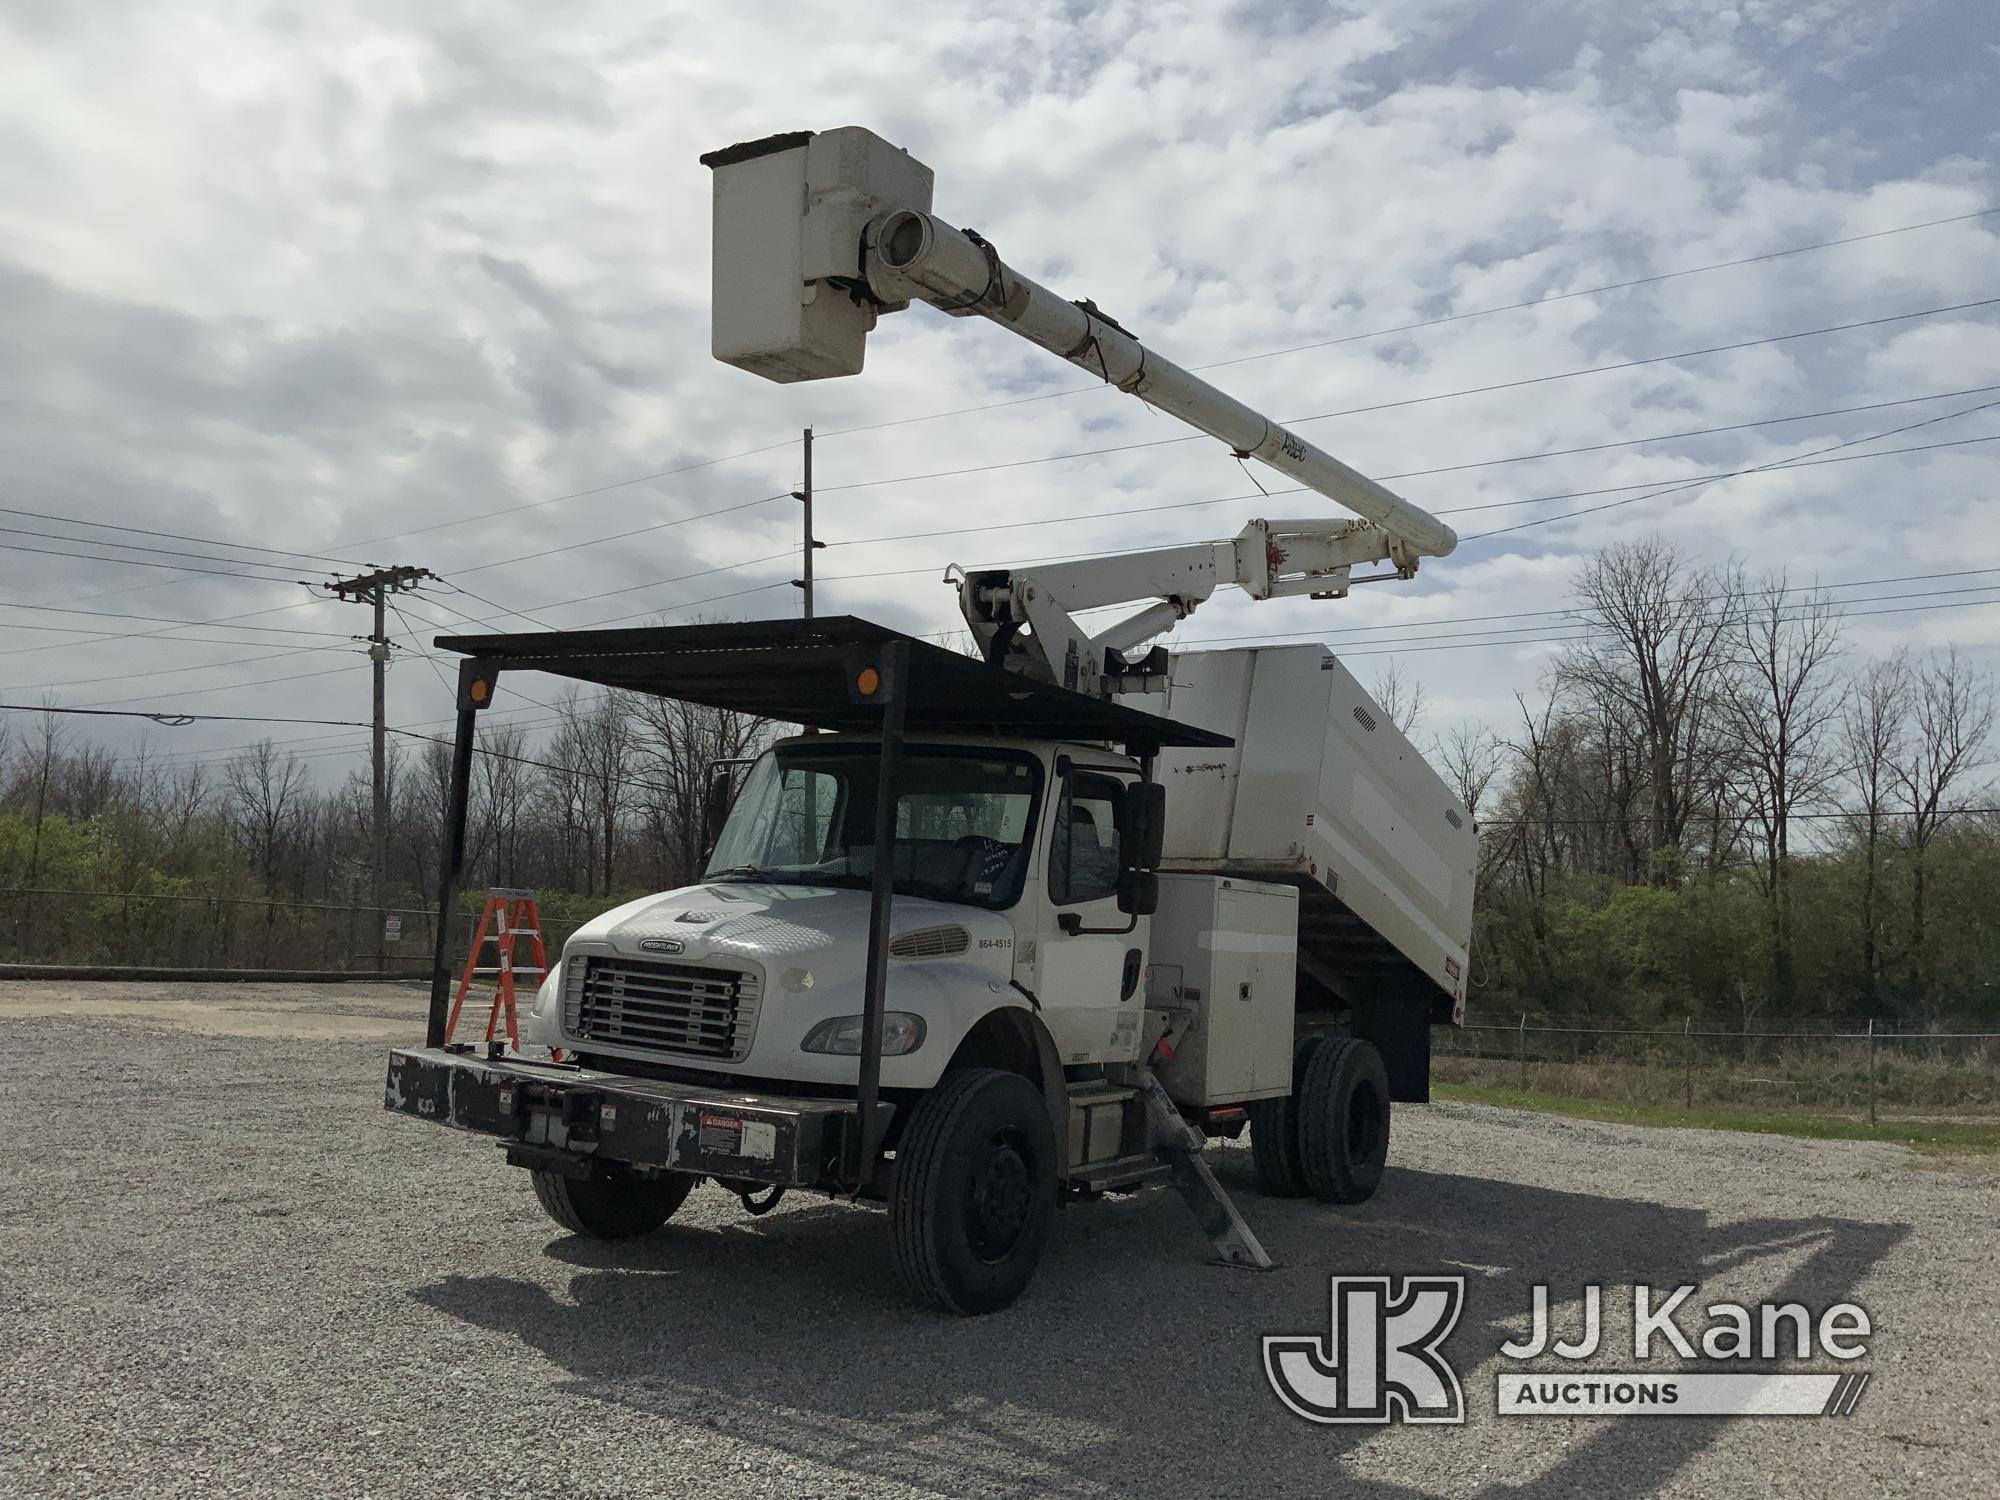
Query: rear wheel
{"points": [[974, 1194], [1344, 1121], [1274, 1132], [612, 1209]]}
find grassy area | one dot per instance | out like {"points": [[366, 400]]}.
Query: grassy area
{"points": [[1953, 1138]]}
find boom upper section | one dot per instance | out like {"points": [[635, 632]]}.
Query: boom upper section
{"points": [[816, 235]]}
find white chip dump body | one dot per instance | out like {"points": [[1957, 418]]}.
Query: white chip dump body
{"points": [[1321, 790]]}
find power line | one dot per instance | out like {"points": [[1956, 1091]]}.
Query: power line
{"points": [[1859, 614], [601, 489], [210, 666], [1804, 461], [93, 541], [140, 562], [1407, 401], [1368, 648], [229, 687], [598, 541], [165, 633], [177, 536], [1239, 359], [1138, 510], [749, 562], [105, 614], [1586, 627], [1191, 437], [504, 609], [1809, 460], [1582, 609], [179, 718], [1484, 312]]}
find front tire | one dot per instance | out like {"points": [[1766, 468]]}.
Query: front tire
{"points": [[974, 1195], [612, 1209], [1344, 1121]]}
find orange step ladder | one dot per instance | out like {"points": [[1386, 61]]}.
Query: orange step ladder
{"points": [[509, 914]]}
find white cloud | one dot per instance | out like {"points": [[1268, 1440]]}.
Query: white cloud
{"points": [[314, 276]]}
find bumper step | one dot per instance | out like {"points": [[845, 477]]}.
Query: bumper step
{"points": [[584, 1121]]}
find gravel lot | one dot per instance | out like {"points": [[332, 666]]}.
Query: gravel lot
{"points": [[227, 1271]]}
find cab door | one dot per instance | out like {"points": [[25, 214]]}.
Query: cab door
{"points": [[1093, 954]]}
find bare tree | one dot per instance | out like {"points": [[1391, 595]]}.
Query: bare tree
{"points": [[1780, 704], [91, 781], [505, 790], [1873, 729], [680, 745], [265, 792], [1659, 638], [46, 749], [1400, 695], [1952, 719], [1472, 755]]}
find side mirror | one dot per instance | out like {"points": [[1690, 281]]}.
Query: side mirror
{"points": [[1145, 826], [715, 807], [1138, 893]]}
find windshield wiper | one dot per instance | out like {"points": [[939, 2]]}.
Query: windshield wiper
{"points": [[742, 872]]}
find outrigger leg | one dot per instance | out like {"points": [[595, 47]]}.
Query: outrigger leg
{"points": [[1178, 1145]]}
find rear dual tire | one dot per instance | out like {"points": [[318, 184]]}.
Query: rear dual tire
{"points": [[1330, 1138]]}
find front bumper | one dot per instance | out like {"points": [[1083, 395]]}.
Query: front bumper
{"points": [[585, 1122]]}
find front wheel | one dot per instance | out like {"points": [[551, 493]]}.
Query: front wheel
{"points": [[974, 1195], [612, 1209]]}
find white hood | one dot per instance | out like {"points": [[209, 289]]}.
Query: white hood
{"points": [[777, 926]]}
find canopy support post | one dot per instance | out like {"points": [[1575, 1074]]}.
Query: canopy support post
{"points": [[476, 679], [889, 683]]}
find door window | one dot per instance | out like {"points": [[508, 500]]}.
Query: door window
{"points": [[1083, 849]]}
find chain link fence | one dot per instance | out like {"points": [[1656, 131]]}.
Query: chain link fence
{"points": [[178, 930], [1855, 1066]]}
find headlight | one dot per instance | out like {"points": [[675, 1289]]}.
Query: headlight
{"points": [[901, 1032]]}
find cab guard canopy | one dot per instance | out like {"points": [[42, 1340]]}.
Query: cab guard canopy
{"points": [[806, 672], [837, 673]]}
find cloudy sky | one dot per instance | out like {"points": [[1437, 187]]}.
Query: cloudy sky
{"points": [[382, 283]]}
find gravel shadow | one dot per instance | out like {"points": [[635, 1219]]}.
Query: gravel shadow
{"points": [[1132, 1366]]}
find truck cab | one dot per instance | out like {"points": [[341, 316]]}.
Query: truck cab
{"points": [[1013, 893]]}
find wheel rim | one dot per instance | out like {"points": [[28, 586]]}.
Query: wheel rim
{"points": [[1001, 1195], [1364, 1124]]}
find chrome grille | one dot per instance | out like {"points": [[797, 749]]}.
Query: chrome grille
{"points": [[690, 1010]]}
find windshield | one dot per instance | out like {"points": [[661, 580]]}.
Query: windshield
{"points": [[806, 816]]}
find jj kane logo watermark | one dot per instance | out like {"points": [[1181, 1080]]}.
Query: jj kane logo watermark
{"points": [[1381, 1358], [1380, 1361]]}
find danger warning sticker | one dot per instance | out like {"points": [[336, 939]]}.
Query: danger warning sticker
{"points": [[721, 1133]]}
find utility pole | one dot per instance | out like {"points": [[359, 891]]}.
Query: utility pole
{"points": [[374, 588], [805, 498]]}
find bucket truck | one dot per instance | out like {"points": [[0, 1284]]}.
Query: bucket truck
{"points": [[1005, 932]]}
